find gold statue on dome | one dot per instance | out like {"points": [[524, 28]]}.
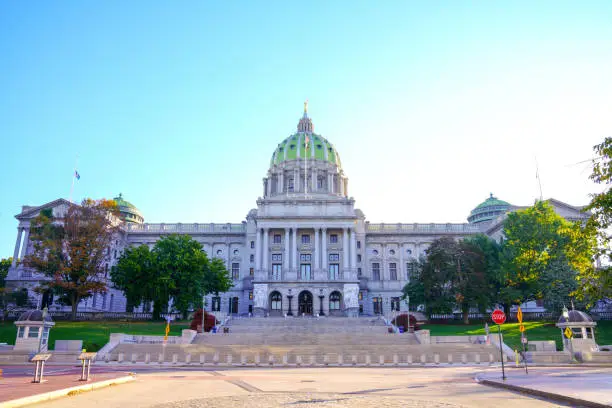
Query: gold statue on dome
{"points": [[306, 106]]}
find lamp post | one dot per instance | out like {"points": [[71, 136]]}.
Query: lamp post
{"points": [[203, 304], [42, 328], [289, 296], [321, 296], [408, 304]]}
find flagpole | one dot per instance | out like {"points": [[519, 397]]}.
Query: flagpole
{"points": [[538, 177], [76, 162]]}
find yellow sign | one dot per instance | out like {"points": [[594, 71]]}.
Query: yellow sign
{"points": [[522, 328], [519, 315], [568, 333], [167, 331]]}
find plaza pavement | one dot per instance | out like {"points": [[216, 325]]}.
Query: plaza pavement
{"points": [[337, 387]]}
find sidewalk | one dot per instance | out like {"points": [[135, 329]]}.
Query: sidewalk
{"points": [[17, 389], [589, 387]]}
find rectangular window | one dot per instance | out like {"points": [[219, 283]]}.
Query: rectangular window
{"points": [[305, 239], [290, 184], [251, 271], [333, 238], [235, 270], [358, 257], [334, 271], [305, 272], [277, 257], [305, 257], [377, 305], [276, 239], [21, 331], [216, 303], [33, 332], [276, 271], [376, 271], [334, 257], [395, 304], [358, 244], [104, 301], [359, 272], [360, 295], [393, 271], [252, 244], [252, 258], [251, 295], [409, 270]]}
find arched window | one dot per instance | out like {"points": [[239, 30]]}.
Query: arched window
{"points": [[276, 301], [334, 301]]}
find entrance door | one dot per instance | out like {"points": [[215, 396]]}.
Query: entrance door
{"points": [[305, 303]]}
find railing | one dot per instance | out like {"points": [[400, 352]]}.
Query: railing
{"points": [[63, 315], [422, 228], [194, 228]]}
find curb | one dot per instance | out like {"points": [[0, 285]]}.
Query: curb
{"points": [[544, 394], [46, 396]]}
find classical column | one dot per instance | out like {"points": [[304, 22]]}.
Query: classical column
{"points": [[400, 270], [269, 186], [266, 251], [257, 250], [345, 251], [330, 183], [24, 246], [294, 249], [16, 253], [353, 250], [341, 182], [286, 262], [314, 179], [280, 186], [324, 250], [315, 251]]}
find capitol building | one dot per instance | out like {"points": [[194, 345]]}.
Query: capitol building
{"points": [[305, 248]]}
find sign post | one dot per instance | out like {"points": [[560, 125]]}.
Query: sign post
{"points": [[569, 334], [519, 317], [499, 318]]}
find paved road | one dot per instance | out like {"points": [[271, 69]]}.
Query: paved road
{"points": [[308, 387]]}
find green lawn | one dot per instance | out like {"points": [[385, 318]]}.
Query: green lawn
{"points": [[512, 335], [94, 334]]}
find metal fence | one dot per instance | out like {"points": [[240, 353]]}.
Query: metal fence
{"points": [[527, 316], [87, 316]]}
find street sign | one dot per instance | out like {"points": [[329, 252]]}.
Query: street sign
{"points": [[519, 315], [498, 317], [521, 328], [568, 333], [524, 340]]}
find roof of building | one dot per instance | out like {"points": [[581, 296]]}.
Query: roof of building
{"points": [[295, 146], [575, 316], [34, 316], [128, 210], [488, 210]]}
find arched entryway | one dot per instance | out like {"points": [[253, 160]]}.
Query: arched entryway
{"points": [[305, 303], [335, 303], [276, 303]]}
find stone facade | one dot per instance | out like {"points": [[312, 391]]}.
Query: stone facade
{"points": [[304, 249]]}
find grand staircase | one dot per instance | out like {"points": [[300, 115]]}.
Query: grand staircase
{"points": [[308, 341]]}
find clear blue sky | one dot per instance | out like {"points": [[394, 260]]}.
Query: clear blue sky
{"points": [[179, 105]]}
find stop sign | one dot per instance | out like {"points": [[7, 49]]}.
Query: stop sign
{"points": [[498, 316]]}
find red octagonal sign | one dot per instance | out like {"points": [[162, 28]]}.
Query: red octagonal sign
{"points": [[498, 316]]}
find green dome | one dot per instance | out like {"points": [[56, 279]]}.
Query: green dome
{"points": [[128, 211], [489, 209], [294, 148]]}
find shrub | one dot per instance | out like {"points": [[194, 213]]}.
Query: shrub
{"points": [[402, 320], [209, 320]]}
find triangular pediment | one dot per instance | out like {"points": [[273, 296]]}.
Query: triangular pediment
{"points": [[59, 206]]}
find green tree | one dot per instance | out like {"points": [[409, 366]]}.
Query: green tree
{"points": [[453, 275], [177, 270], [5, 264], [71, 250], [542, 248]]}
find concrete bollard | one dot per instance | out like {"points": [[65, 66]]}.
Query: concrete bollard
{"points": [[354, 360], [134, 358], [298, 360], [216, 358], [243, 359], [381, 360], [477, 358], [160, 358], [120, 358], [188, 358], [326, 360], [491, 358], [463, 358], [423, 358], [368, 359], [395, 359], [257, 359], [202, 358], [271, 359], [313, 360], [285, 359], [450, 359], [229, 359], [340, 359], [147, 358], [174, 358], [409, 359], [106, 358], [436, 358]]}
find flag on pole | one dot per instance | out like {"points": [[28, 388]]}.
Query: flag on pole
{"points": [[77, 175]]}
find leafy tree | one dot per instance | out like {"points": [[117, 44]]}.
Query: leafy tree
{"points": [[453, 275], [71, 250], [177, 270], [543, 253], [5, 264]]}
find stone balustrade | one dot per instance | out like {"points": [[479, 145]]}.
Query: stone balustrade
{"points": [[208, 228], [416, 228]]}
